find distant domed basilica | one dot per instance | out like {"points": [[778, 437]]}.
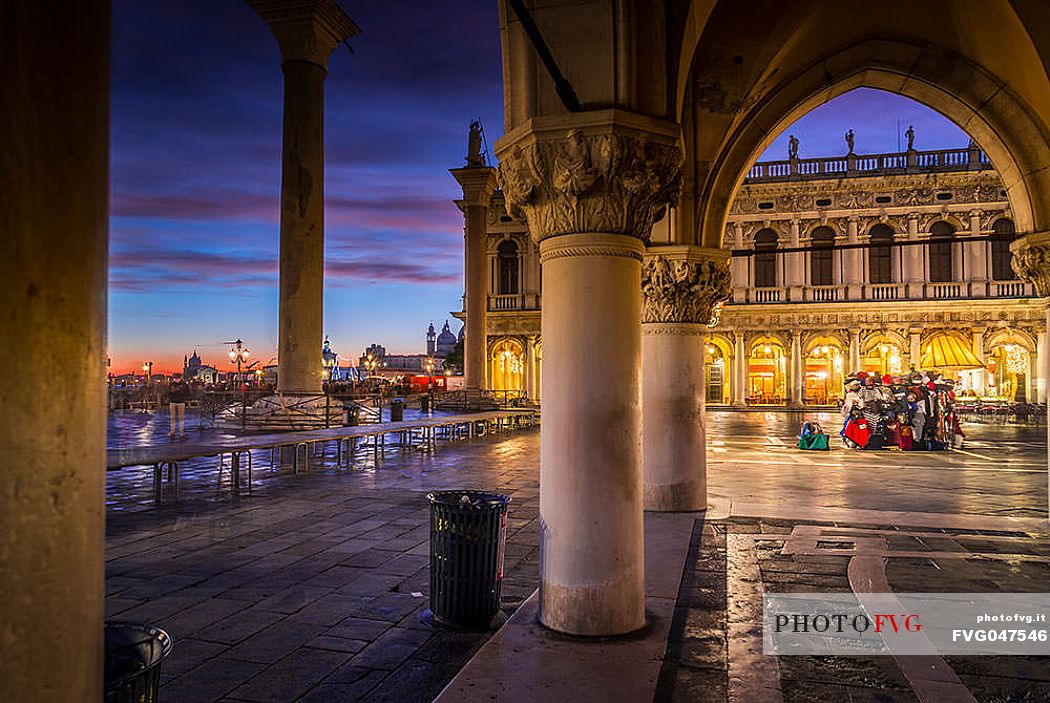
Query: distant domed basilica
{"points": [[441, 345]]}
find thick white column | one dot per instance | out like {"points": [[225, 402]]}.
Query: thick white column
{"points": [[739, 370], [54, 186], [854, 351], [576, 181], [478, 183], [307, 31], [590, 452], [796, 372], [1031, 261], [680, 288]]}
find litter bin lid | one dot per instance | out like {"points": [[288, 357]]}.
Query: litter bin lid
{"points": [[132, 648], [471, 499]]}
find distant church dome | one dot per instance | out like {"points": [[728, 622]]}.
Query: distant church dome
{"points": [[446, 341]]}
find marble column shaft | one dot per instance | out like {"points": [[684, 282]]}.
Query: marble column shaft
{"points": [[54, 184], [591, 186], [680, 288]]}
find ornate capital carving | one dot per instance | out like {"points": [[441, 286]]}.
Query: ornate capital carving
{"points": [[1031, 261], [306, 30], [591, 179], [684, 289]]}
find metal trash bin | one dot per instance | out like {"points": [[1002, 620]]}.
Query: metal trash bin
{"points": [[397, 410], [468, 531], [132, 666]]}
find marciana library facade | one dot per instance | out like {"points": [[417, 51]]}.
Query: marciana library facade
{"points": [[880, 263]]}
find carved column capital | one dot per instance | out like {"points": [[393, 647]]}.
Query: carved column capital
{"points": [[1031, 261], [306, 30], [684, 284], [602, 171]]}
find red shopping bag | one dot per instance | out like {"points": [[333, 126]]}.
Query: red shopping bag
{"points": [[857, 431]]}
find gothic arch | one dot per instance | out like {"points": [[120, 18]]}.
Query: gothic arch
{"points": [[1017, 144]]}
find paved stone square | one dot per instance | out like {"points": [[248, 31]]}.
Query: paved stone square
{"points": [[310, 589]]}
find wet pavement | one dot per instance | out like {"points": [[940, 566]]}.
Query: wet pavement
{"points": [[311, 588]]}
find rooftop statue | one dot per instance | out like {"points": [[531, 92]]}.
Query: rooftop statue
{"points": [[910, 134], [474, 155], [849, 140], [793, 147]]}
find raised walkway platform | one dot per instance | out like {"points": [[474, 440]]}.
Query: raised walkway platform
{"points": [[420, 433]]}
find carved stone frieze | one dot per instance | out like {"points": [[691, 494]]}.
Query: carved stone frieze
{"points": [[683, 290], [603, 182], [1031, 261]]}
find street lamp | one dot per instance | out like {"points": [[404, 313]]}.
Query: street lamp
{"points": [[238, 354], [429, 366], [147, 369]]}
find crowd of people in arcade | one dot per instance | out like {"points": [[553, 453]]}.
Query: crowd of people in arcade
{"points": [[915, 412]]}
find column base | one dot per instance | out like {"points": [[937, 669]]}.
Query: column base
{"points": [[684, 497], [594, 611]]}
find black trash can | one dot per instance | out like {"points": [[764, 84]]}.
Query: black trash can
{"points": [[397, 410], [468, 530], [133, 656]]}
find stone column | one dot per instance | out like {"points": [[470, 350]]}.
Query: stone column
{"points": [[796, 372], [681, 286], [979, 375], [915, 349], [739, 266], [531, 378], [913, 258], [796, 261], [478, 183], [854, 262], [1040, 369], [1031, 261], [739, 370], [307, 31], [977, 260], [854, 351], [590, 186], [54, 184]]}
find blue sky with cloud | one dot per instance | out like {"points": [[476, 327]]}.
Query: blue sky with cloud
{"points": [[195, 173]]}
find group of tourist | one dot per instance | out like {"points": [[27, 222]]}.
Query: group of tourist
{"points": [[914, 411]]}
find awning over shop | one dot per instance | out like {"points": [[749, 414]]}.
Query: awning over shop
{"points": [[948, 352]]}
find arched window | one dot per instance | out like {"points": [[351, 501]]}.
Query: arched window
{"points": [[507, 254], [941, 236], [1002, 234], [765, 259], [821, 257], [880, 254]]}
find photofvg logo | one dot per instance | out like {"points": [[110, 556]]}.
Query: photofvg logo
{"points": [[848, 624]]}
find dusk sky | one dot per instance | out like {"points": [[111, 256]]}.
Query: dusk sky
{"points": [[196, 132]]}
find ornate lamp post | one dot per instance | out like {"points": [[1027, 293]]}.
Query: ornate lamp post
{"points": [[239, 354], [428, 364], [147, 369]]}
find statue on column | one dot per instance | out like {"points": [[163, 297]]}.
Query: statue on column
{"points": [[910, 134], [474, 155], [849, 140], [792, 147]]}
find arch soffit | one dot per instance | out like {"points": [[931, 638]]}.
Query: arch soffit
{"points": [[874, 338], [1018, 147], [959, 228], [811, 227], [756, 339], [894, 224], [724, 344], [830, 337], [1009, 335], [495, 343]]}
